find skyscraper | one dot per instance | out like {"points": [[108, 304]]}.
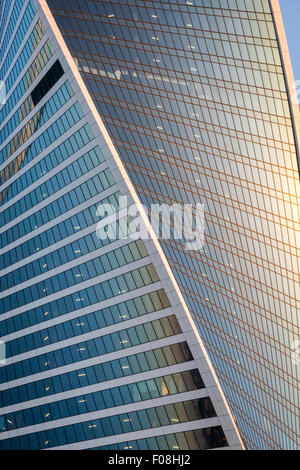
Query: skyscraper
{"points": [[174, 102]]}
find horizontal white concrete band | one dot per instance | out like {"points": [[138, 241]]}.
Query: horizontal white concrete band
{"points": [[39, 131], [66, 215], [90, 174], [72, 264], [36, 108], [49, 249], [143, 434], [131, 407], [7, 21], [61, 243], [93, 361], [83, 285], [16, 27], [45, 152], [88, 336], [33, 84], [83, 311], [47, 176], [118, 382]]}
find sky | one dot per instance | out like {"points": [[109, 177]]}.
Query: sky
{"points": [[290, 10]]}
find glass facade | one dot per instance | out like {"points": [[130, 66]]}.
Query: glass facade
{"points": [[99, 353], [194, 96]]}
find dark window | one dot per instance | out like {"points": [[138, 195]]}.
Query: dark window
{"points": [[47, 82]]}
